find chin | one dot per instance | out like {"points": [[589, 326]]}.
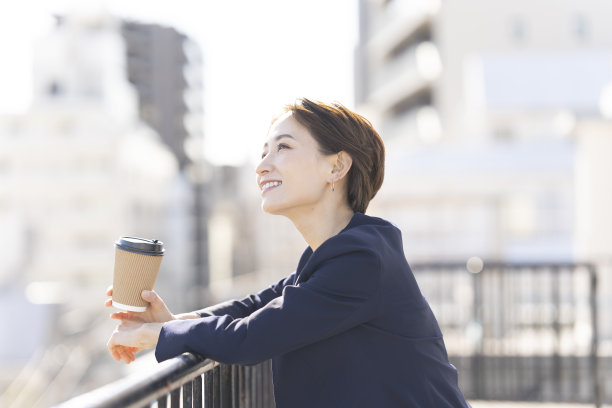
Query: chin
{"points": [[268, 208], [273, 208]]}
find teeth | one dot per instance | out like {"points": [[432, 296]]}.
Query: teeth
{"points": [[270, 184]]}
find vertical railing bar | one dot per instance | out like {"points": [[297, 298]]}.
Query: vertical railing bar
{"points": [[216, 387], [208, 389], [243, 387], [497, 305], [266, 390], [270, 390], [567, 326], [175, 398], [239, 389], [197, 392], [508, 279], [555, 372], [266, 377], [260, 385], [477, 369], [253, 386], [258, 402], [540, 359], [595, 376], [225, 386], [576, 377], [235, 387], [487, 364], [188, 395], [524, 381]]}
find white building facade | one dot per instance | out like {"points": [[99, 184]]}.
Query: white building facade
{"points": [[478, 104]]}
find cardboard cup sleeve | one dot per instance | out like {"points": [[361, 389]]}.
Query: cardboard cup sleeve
{"points": [[134, 272]]}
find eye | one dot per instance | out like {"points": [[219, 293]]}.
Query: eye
{"points": [[281, 146]]}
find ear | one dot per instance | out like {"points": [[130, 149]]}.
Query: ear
{"points": [[342, 165]]}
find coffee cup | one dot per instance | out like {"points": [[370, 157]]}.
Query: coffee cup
{"points": [[137, 262]]}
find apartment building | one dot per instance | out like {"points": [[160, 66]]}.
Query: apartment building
{"points": [[478, 103]]}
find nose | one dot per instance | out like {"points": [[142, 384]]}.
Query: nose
{"points": [[264, 166]]}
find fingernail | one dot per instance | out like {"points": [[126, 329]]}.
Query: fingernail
{"points": [[146, 294]]}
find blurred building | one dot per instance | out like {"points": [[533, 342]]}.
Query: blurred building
{"points": [[478, 103], [80, 169], [165, 68]]}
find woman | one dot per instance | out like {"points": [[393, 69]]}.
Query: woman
{"points": [[349, 328]]}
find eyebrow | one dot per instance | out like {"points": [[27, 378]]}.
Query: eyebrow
{"points": [[279, 137]]}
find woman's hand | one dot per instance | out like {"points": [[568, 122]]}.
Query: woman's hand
{"points": [[157, 311], [130, 337]]}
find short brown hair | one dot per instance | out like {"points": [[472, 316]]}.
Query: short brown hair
{"points": [[336, 129]]}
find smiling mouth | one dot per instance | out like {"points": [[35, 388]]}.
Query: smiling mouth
{"points": [[270, 185]]}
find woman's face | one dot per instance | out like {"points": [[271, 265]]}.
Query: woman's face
{"points": [[293, 174]]}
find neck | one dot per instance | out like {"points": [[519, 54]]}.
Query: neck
{"points": [[319, 225]]}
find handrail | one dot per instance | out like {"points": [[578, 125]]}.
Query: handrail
{"points": [[138, 390], [185, 381]]}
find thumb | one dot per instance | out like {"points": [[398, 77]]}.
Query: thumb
{"points": [[150, 296]]}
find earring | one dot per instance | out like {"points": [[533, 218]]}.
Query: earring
{"points": [[332, 184]]}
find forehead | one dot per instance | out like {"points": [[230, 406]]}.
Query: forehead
{"points": [[284, 121], [287, 125]]}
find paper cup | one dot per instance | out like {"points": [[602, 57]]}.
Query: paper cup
{"points": [[137, 262]]}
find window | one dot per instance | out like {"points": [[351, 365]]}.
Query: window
{"points": [[518, 29], [54, 89], [580, 27]]}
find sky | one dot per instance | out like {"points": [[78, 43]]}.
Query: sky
{"points": [[258, 56]]}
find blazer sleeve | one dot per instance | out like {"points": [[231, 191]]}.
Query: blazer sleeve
{"points": [[242, 308], [342, 293]]}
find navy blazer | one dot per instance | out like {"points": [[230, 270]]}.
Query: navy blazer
{"points": [[350, 328]]}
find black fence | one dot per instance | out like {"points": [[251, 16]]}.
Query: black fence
{"points": [[516, 332], [186, 381], [522, 332]]}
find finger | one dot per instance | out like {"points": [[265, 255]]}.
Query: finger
{"points": [[109, 291], [113, 350], [120, 316], [121, 353], [126, 355], [114, 354], [108, 303]]}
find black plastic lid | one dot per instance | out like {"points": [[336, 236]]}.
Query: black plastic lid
{"points": [[141, 245]]}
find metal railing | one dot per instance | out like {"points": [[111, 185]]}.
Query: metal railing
{"points": [[186, 381], [515, 331], [519, 331]]}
